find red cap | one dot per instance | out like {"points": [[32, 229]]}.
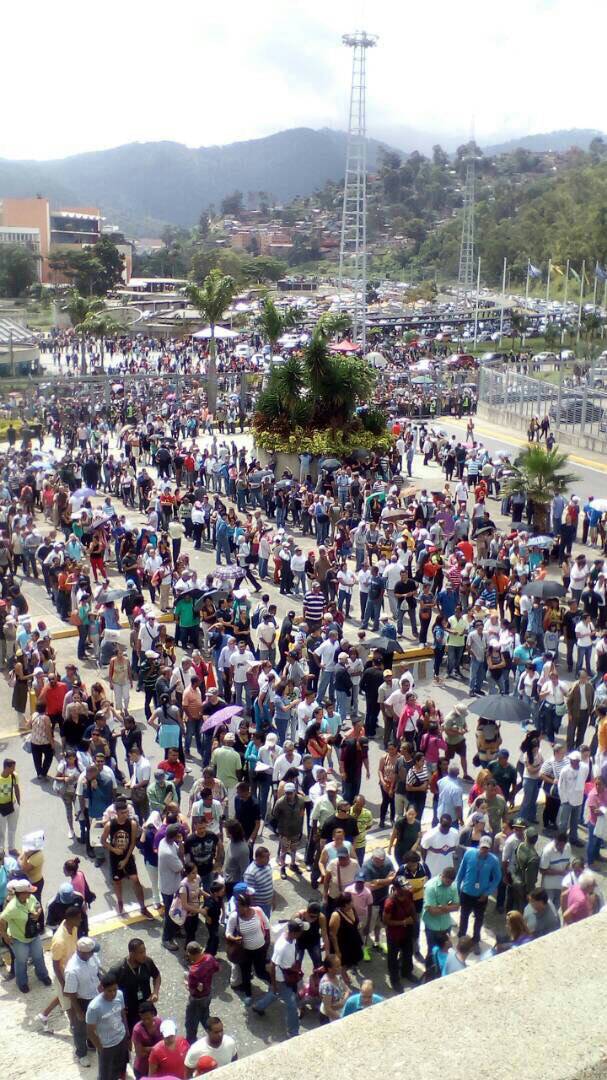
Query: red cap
{"points": [[205, 1064]]}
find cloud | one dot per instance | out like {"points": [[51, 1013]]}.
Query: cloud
{"points": [[94, 77]]}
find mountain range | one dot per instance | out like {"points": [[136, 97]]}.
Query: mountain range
{"points": [[144, 186]]}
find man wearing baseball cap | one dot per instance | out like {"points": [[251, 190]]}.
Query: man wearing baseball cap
{"points": [[478, 875], [167, 1057], [80, 986]]}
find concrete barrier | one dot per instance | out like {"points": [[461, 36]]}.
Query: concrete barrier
{"points": [[533, 1013]]}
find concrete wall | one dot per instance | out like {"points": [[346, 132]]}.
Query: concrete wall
{"points": [[534, 1013], [498, 415]]}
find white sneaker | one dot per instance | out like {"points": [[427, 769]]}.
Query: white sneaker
{"points": [[70, 834], [42, 1019], [84, 1062]]}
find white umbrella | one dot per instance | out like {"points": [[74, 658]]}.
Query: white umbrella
{"points": [[376, 360], [221, 333], [599, 504]]}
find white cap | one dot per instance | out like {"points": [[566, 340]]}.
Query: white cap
{"points": [[168, 1028]]}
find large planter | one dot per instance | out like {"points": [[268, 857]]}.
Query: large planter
{"points": [[285, 461]]}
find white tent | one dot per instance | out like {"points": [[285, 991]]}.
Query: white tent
{"points": [[221, 333]]}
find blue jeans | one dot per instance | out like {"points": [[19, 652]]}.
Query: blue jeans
{"points": [[344, 700], [289, 999], [344, 598], [326, 682], [222, 547], [567, 820], [548, 721], [594, 845], [360, 557], [262, 567], [372, 611], [25, 950], [477, 674], [531, 790], [192, 731], [584, 653]]}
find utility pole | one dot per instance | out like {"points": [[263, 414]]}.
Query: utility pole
{"points": [[465, 276], [353, 246]]}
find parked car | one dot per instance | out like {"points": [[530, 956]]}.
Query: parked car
{"points": [[573, 411]]}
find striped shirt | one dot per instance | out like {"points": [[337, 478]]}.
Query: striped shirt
{"points": [[314, 606], [261, 880]]}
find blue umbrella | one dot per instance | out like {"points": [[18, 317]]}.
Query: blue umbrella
{"points": [[85, 493]]}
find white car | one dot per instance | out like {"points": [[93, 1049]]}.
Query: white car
{"points": [[243, 352]]}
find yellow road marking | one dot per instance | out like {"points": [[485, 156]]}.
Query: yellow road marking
{"points": [[494, 433]]}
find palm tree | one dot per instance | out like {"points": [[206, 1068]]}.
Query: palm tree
{"points": [[518, 323], [80, 308], [332, 323], [273, 323], [539, 475], [100, 325], [212, 299]]}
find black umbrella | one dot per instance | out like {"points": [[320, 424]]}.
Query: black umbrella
{"points": [[499, 707], [112, 594], [545, 589], [360, 455], [282, 484], [257, 477], [330, 463], [386, 644], [493, 564]]}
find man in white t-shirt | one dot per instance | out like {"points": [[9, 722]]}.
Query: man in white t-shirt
{"points": [[221, 1047], [241, 663], [439, 846], [283, 982]]}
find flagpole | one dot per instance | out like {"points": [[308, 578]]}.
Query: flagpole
{"points": [[595, 284], [527, 286], [565, 303], [478, 288], [579, 314], [548, 286], [503, 300]]}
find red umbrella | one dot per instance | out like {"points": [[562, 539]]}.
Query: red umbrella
{"points": [[344, 346], [222, 716]]}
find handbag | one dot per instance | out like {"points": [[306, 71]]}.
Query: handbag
{"points": [[600, 829], [33, 925], [235, 949], [292, 975], [74, 618], [177, 911]]}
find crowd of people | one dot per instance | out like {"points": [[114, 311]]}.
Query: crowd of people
{"points": [[259, 731]]}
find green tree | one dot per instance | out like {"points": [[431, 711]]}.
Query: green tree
{"points": [[231, 205], [540, 474], [94, 270], [518, 323], [212, 299], [18, 269], [201, 264], [272, 323]]}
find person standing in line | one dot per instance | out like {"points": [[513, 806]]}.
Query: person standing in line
{"points": [[106, 1028], [478, 876]]}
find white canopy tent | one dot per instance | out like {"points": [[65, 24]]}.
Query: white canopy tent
{"points": [[221, 333]]}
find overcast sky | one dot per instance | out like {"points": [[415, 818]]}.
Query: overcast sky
{"points": [[85, 76]]}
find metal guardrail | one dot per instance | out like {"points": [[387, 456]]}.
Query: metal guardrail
{"points": [[573, 410]]}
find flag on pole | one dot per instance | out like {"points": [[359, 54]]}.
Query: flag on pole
{"points": [[574, 274], [534, 271], [557, 269], [600, 272]]}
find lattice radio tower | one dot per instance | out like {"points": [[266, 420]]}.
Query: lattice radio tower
{"points": [[465, 277], [353, 247]]}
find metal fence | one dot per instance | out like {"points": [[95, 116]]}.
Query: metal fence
{"points": [[573, 410]]}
